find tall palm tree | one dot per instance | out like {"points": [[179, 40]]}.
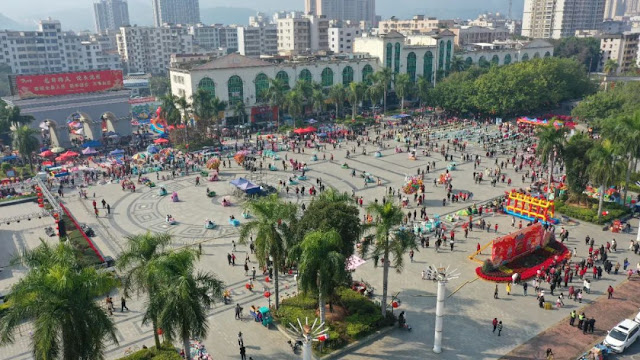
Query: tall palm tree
{"points": [[14, 117], [375, 94], [337, 95], [202, 110], [383, 79], [25, 141], [305, 88], [271, 227], [185, 108], [217, 106], [624, 133], [457, 64], [355, 93], [240, 111], [610, 66], [388, 239], [276, 95], [422, 89], [551, 143], [403, 86], [317, 98], [321, 265], [184, 297], [142, 273], [605, 168], [294, 103], [59, 297], [169, 110]]}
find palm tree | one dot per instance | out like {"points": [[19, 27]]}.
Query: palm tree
{"points": [[240, 111], [169, 110], [375, 94], [142, 274], [272, 233], [337, 96], [551, 142], [217, 106], [317, 98], [276, 95], [355, 93], [305, 88], [185, 107], [422, 89], [403, 87], [321, 265], [294, 103], [383, 79], [25, 141], [457, 64], [59, 297], [624, 133], [387, 239], [610, 66], [15, 118], [201, 104], [605, 168], [184, 298]]}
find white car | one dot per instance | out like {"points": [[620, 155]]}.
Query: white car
{"points": [[622, 335], [637, 319]]}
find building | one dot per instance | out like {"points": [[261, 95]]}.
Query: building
{"points": [[50, 50], [228, 38], [621, 48], [188, 60], [555, 19], [176, 12], [110, 14], [419, 24], [632, 8], [614, 9], [233, 78], [478, 34], [307, 34], [258, 40], [149, 49], [352, 10], [417, 55], [341, 38], [505, 52]]}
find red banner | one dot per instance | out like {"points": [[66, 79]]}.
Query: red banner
{"points": [[29, 86], [522, 242]]}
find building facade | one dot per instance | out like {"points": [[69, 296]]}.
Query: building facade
{"points": [[614, 9], [343, 10], [419, 24], [216, 36], [233, 78], [341, 38], [478, 34], [110, 15], [505, 52], [149, 49], [176, 12], [621, 48], [544, 19], [259, 40], [307, 34]]}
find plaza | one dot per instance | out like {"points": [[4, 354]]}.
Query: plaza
{"points": [[470, 305]]}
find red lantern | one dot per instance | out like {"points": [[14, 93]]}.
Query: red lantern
{"points": [[267, 294], [267, 279], [41, 205], [323, 337], [160, 331], [395, 304], [290, 272]]}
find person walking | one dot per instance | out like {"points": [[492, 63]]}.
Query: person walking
{"points": [[525, 285], [243, 353], [108, 209], [610, 292], [240, 340], [508, 288], [123, 304], [238, 311], [581, 318], [499, 328], [495, 292], [495, 324]]}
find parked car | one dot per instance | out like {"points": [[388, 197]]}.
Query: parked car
{"points": [[622, 335]]}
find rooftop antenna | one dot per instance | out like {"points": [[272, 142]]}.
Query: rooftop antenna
{"points": [[509, 13]]}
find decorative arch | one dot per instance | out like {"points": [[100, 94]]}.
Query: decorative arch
{"points": [[507, 59], [389, 55], [396, 67], [305, 75], [208, 85], [347, 75], [448, 60], [495, 60], [284, 77], [482, 62], [411, 66], [367, 70], [468, 62], [262, 85], [427, 70], [327, 77], [525, 57], [536, 55], [547, 54], [235, 87], [441, 57]]}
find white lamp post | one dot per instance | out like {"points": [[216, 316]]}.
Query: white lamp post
{"points": [[442, 275], [309, 333]]}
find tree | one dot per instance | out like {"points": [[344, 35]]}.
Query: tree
{"points": [[577, 164], [422, 89], [624, 133], [184, 297], [586, 51], [322, 267], [457, 64], [185, 108], [375, 94], [14, 117], [25, 141], [611, 66], [355, 93], [403, 87], [317, 98], [159, 85], [337, 95], [217, 106], [388, 240], [271, 227], [605, 168], [382, 79], [59, 297], [276, 95], [169, 110], [551, 143], [294, 102], [142, 274], [203, 112], [623, 99], [5, 85], [240, 111]]}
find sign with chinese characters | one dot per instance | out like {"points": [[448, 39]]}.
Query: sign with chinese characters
{"points": [[30, 86], [519, 243]]}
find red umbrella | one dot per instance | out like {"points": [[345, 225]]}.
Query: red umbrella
{"points": [[161, 141], [310, 129], [300, 131], [47, 153], [70, 154]]}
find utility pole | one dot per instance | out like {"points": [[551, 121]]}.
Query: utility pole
{"points": [[442, 275]]}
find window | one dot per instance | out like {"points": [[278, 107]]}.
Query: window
{"points": [[367, 70], [441, 57], [306, 75], [427, 70], [396, 67], [389, 55], [448, 61], [235, 89], [547, 54], [284, 77], [468, 62], [495, 60], [411, 66], [507, 59], [536, 56], [525, 57], [347, 76], [327, 77], [262, 85]]}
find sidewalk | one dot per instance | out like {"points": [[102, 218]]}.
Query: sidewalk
{"points": [[568, 342]]}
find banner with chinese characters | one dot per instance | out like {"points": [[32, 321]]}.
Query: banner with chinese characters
{"points": [[30, 86], [519, 243]]}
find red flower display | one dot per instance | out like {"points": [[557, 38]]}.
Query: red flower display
{"points": [[526, 272]]}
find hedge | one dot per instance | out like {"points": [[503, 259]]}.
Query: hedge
{"points": [[590, 214], [166, 352]]}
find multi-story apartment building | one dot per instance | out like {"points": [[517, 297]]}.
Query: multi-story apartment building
{"points": [[341, 38], [352, 10], [176, 12], [228, 37], [306, 34], [50, 50], [477, 34], [111, 14], [149, 49], [419, 24], [216, 36], [614, 9], [556, 19], [258, 40], [621, 48]]}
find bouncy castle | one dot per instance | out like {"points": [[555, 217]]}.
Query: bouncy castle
{"points": [[530, 208]]}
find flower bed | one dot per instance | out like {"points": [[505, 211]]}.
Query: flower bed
{"points": [[528, 265]]}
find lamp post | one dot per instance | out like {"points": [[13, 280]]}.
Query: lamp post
{"points": [[442, 275], [267, 294], [308, 334]]}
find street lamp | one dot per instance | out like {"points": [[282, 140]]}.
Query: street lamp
{"points": [[308, 334], [442, 275]]}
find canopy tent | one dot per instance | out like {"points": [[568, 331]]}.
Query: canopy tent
{"points": [[354, 261], [401, 116], [245, 185], [89, 151], [57, 150], [161, 141], [69, 154], [300, 131], [47, 153], [117, 152], [152, 149], [92, 144], [310, 129]]}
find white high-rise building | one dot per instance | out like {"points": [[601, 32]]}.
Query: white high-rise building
{"points": [[341, 38], [621, 48], [176, 12], [306, 34], [110, 14], [353, 10], [216, 36], [149, 49], [561, 18], [614, 8], [254, 41]]}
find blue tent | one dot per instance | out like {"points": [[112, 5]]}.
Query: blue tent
{"points": [[92, 143], [245, 185], [7, 158], [117, 152]]}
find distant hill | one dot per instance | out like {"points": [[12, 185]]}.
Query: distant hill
{"points": [[226, 15], [9, 24]]}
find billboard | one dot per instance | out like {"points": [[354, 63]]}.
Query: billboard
{"points": [[519, 243], [29, 86]]}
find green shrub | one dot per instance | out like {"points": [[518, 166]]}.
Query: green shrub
{"points": [[487, 266], [166, 352], [590, 214], [302, 301]]}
